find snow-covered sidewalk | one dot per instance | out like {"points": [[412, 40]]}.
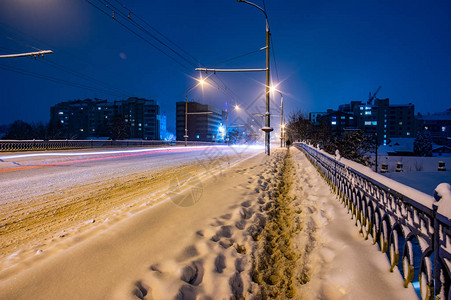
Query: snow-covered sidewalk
{"points": [[204, 243]]}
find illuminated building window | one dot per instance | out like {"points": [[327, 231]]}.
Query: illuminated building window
{"points": [[367, 123], [443, 128], [334, 122], [408, 133], [81, 129], [61, 113], [374, 123], [368, 113]]}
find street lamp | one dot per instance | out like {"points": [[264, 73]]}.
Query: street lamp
{"points": [[236, 107], [282, 125], [267, 128], [200, 82], [282, 136]]}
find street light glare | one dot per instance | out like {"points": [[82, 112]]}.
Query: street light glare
{"points": [[201, 82], [272, 89], [237, 107]]}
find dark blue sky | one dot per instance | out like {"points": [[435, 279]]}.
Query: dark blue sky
{"points": [[327, 53]]}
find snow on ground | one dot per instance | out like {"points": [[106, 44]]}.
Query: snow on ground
{"points": [[206, 238], [418, 172], [338, 262]]}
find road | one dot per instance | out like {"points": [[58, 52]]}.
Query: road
{"points": [[48, 197]]}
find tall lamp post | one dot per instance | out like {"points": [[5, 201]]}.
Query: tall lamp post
{"points": [[201, 82], [267, 128], [282, 125], [236, 107]]}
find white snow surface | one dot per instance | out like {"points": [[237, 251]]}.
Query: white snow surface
{"points": [[443, 193], [168, 251], [420, 197]]}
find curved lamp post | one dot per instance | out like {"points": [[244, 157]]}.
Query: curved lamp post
{"points": [[267, 128]]}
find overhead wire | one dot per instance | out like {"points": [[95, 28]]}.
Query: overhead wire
{"points": [[57, 80], [105, 86], [137, 34], [115, 12], [83, 76]]}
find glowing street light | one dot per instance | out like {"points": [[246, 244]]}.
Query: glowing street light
{"points": [[200, 82]]}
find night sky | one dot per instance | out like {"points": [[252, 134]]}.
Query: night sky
{"points": [[326, 53]]}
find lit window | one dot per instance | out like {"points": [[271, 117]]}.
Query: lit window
{"points": [[385, 136], [425, 127], [93, 129], [139, 124], [81, 129], [385, 125], [351, 118], [334, 122], [367, 108], [367, 123], [99, 108], [374, 123], [343, 117], [197, 136], [408, 133], [334, 117], [61, 113], [106, 117], [62, 121], [443, 128], [361, 107], [400, 123], [368, 113]]}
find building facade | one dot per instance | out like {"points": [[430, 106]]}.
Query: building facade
{"points": [[204, 122], [379, 119], [439, 125], [82, 119], [142, 117]]}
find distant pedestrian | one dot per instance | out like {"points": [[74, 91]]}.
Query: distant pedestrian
{"points": [[288, 144]]}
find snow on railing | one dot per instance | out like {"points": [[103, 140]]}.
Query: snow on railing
{"points": [[411, 227], [36, 145]]}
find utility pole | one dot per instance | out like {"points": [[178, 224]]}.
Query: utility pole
{"points": [[267, 128]]}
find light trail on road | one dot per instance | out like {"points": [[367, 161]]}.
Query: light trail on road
{"points": [[125, 153]]}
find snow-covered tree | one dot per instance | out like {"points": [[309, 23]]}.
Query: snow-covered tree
{"points": [[422, 146]]}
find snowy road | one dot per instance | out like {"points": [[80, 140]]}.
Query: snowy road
{"points": [[266, 227], [50, 197]]}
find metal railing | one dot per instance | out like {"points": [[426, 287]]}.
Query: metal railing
{"points": [[37, 145], [406, 225]]}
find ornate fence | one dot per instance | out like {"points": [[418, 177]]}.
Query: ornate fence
{"points": [[36, 145], [408, 226]]}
